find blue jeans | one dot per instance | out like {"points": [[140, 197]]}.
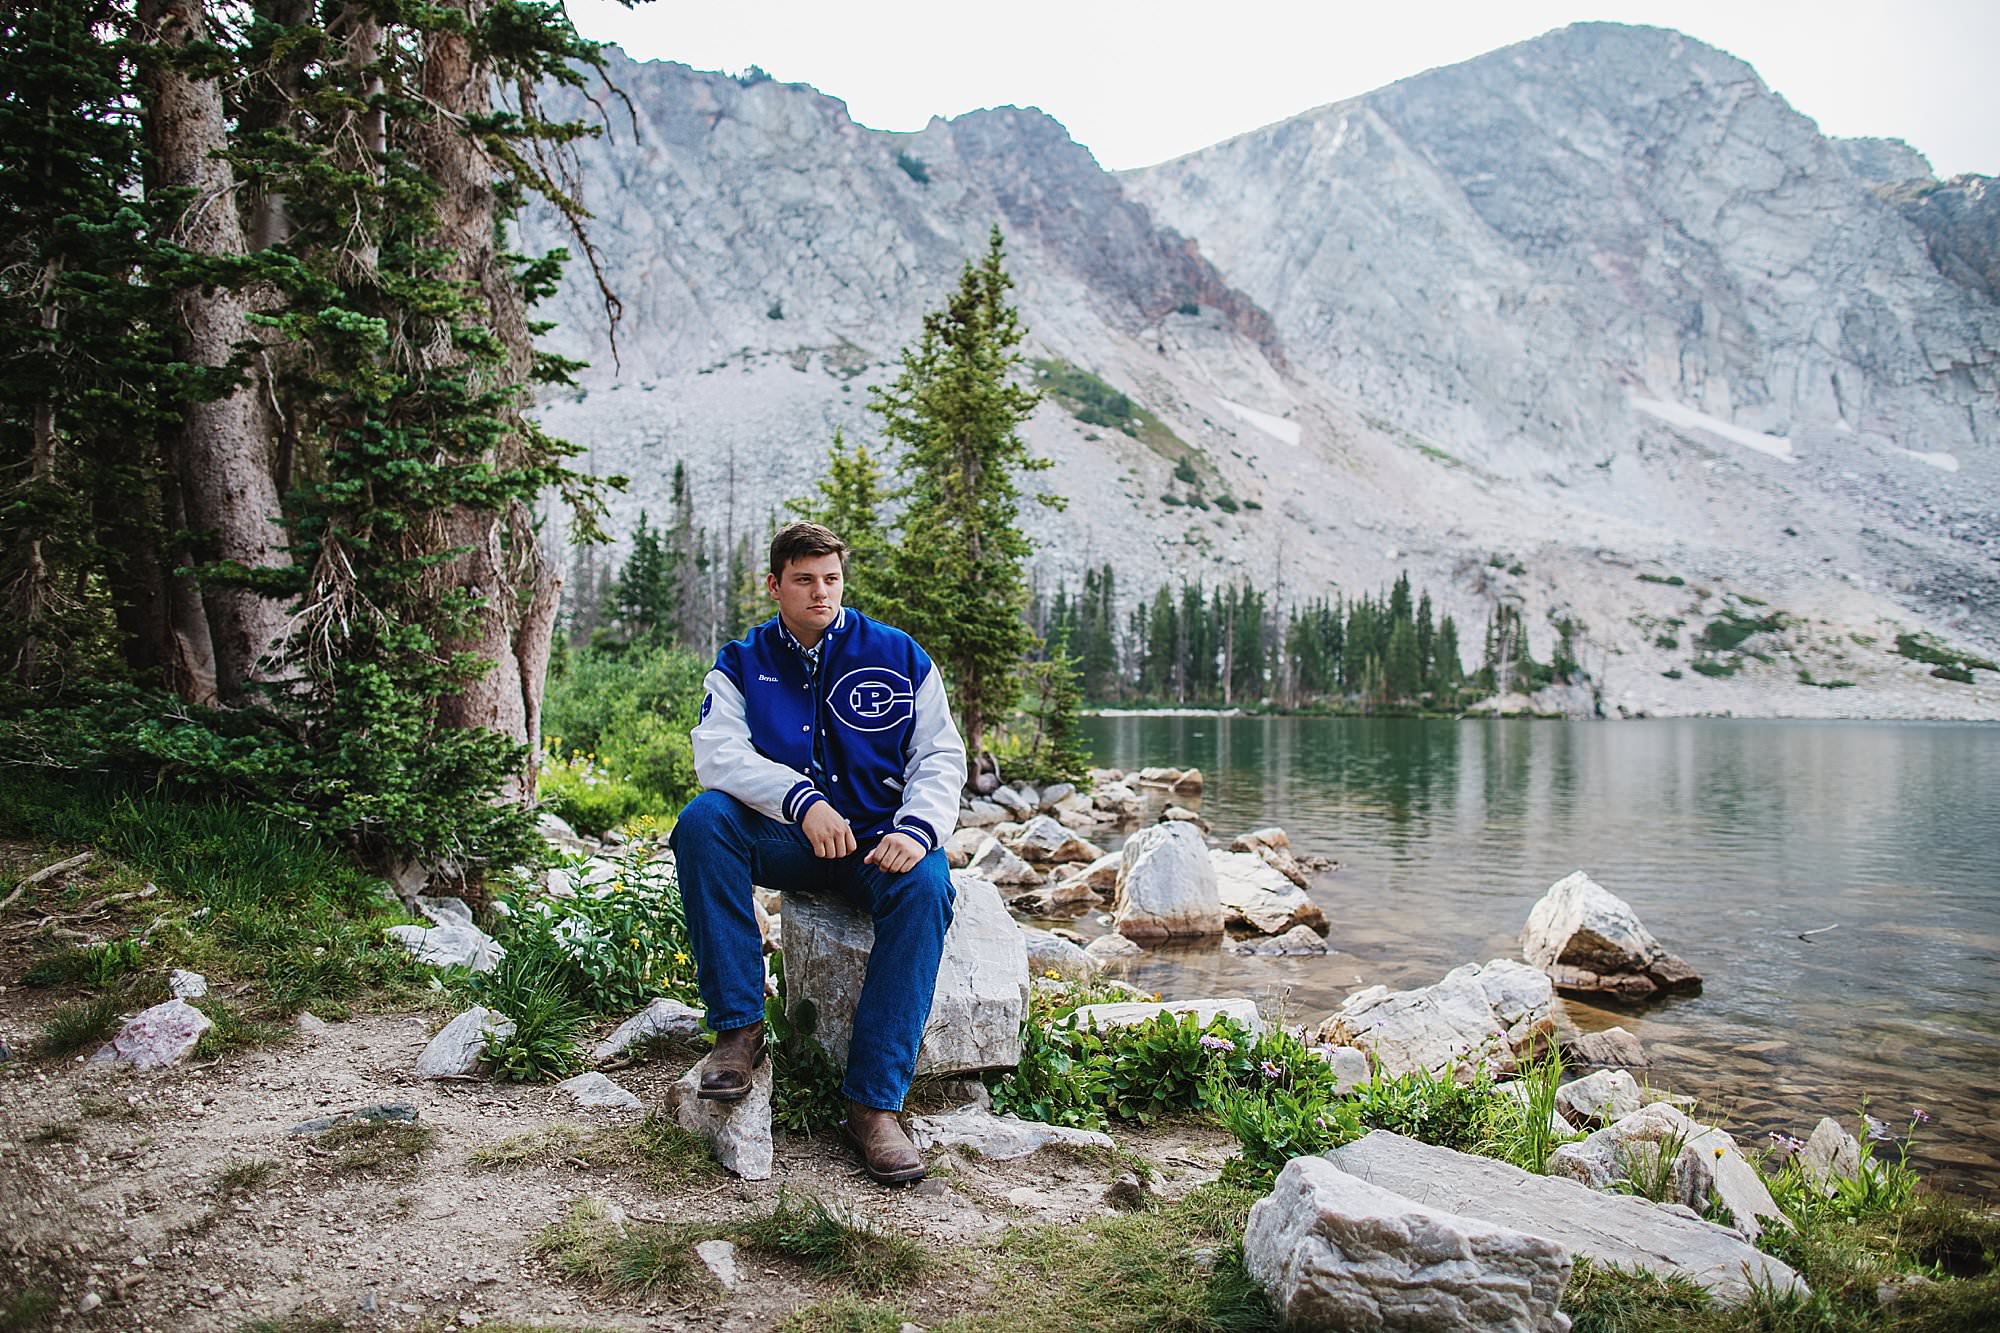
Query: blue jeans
{"points": [[722, 846]]}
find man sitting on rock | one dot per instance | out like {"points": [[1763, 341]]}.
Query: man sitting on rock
{"points": [[832, 764]]}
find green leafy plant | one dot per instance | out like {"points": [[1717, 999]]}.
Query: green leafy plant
{"points": [[618, 943], [805, 1082], [542, 1045]]}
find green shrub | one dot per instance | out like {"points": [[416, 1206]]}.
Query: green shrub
{"points": [[629, 710], [1708, 666], [1728, 631], [1226, 503], [913, 168], [1923, 648], [1669, 580], [383, 776], [585, 793], [1184, 473], [613, 947]]}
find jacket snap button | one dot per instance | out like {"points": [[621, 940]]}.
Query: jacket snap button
{"points": [[806, 727]]}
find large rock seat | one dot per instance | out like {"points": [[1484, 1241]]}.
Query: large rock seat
{"points": [[982, 983]]}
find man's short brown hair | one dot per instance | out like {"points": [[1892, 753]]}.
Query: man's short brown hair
{"points": [[804, 541]]}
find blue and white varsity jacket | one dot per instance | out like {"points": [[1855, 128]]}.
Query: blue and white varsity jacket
{"points": [[870, 731]]}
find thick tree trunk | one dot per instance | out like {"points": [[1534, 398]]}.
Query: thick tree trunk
{"points": [[503, 564], [222, 452]]}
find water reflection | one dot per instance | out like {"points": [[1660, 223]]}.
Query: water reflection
{"points": [[1729, 838]]}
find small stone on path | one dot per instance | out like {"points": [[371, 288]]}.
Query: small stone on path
{"points": [[719, 1257], [661, 1021], [185, 985], [595, 1092], [163, 1035], [460, 1046]]}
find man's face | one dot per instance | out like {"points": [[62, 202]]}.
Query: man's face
{"points": [[807, 594]]}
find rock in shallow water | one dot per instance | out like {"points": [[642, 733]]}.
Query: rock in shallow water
{"points": [[1335, 1251], [1495, 1014], [1166, 886], [1591, 941], [1257, 896]]}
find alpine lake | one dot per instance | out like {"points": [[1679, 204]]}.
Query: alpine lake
{"points": [[1836, 884]]}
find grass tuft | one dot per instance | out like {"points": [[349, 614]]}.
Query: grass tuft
{"points": [[834, 1243], [1179, 1268], [363, 1145], [591, 1246], [244, 1175], [74, 1026], [845, 1313]]}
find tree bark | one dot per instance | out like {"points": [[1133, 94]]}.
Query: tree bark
{"points": [[222, 451], [503, 565]]}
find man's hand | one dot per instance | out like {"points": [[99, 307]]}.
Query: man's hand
{"points": [[828, 833], [895, 853]]}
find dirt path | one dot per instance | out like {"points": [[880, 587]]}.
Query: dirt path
{"points": [[181, 1200]]}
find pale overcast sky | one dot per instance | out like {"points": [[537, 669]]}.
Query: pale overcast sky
{"points": [[1138, 83]]}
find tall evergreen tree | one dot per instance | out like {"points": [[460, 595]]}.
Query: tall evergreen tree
{"points": [[646, 600], [849, 499], [954, 414]]}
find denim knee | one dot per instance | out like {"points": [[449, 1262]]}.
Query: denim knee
{"points": [[708, 815]]}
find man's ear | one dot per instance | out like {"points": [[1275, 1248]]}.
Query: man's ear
{"points": [[771, 585]]}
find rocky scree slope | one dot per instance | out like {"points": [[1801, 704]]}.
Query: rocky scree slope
{"points": [[1597, 305]]}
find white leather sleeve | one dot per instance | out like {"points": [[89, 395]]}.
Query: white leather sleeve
{"points": [[935, 773], [726, 761]]}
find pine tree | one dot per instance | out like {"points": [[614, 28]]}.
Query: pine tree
{"points": [[1447, 668], [286, 436], [1401, 678], [645, 600], [1426, 639], [849, 500], [1054, 750], [954, 411]]}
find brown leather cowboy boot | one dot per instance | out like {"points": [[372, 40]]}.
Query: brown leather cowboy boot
{"points": [[725, 1075], [887, 1153]]}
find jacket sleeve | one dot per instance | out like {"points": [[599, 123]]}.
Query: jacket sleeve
{"points": [[935, 773], [726, 761]]}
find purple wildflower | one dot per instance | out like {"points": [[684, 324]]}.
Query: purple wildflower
{"points": [[1215, 1043], [1919, 1116], [1270, 1070]]}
